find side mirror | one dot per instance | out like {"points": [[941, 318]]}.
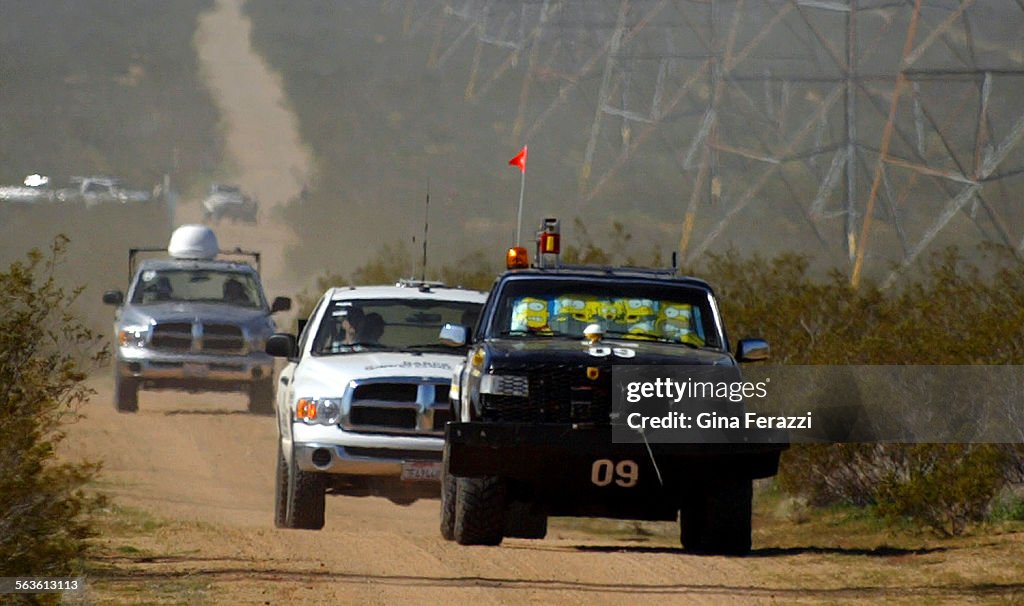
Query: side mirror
{"points": [[453, 335], [752, 350], [282, 345], [281, 304], [113, 297]]}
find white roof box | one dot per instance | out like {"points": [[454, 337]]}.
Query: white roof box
{"points": [[193, 242]]}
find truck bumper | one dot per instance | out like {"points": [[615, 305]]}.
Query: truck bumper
{"points": [[527, 450], [580, 471], [197, 372], [411, 458]]}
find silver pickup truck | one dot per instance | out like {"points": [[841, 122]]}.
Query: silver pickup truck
{"points": [[195, 321]]}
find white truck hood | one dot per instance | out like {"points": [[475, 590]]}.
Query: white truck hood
{"points": [[328, 376]]}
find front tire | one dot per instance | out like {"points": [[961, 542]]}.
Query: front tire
{"points": [[126, 393], [449, 489], [305, 499], [280, 489], [479, 511]]}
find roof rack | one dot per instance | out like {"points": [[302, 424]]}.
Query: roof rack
{"points": [[243, 256], [659, 271], [423, 285]]}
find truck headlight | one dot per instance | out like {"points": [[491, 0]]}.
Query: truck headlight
{"points": [[133, 336], [322, 411], [505, 385]]}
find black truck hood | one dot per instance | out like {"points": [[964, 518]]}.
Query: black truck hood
{"points": [[510, 353]]}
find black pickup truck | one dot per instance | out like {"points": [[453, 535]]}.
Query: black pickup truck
{"points": [[532, 431]]}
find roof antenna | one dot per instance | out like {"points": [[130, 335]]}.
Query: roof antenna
{"points": [[426, 224]]}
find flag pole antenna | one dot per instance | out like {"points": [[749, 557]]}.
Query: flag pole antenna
{"points": [[426, 225], [520, 162], [519, 217]]}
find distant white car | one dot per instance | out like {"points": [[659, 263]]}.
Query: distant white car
{"points": [[90, 191], [228, 202], [363, 402]]}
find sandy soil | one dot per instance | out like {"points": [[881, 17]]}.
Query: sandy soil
{"points": [[203, 461], [205, 467]]}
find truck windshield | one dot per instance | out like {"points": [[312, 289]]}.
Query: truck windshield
{"points": [[197, 285], [388, 324], [631, 310]]}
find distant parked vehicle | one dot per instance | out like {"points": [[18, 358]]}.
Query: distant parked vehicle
{"points": [[95, 190], [87, 190], [228, 202]]}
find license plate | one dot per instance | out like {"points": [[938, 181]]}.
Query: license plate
{"points": [[421, 471], [195, 370]]}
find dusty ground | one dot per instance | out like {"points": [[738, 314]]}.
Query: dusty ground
{"points": [[191, 477]]}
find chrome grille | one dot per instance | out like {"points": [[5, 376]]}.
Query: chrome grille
{"points": [[413, 406], [184, 337], [373, 416], [172, 336], [223, 338], [557, 394]]}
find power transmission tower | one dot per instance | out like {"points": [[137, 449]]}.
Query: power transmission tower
{"points": [[875, 127]]}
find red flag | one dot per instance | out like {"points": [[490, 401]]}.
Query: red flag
{"points": [[519, 160]]}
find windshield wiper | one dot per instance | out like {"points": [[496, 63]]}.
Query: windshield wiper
{"points": [[532, 333], [348, 348], [649, 336]]}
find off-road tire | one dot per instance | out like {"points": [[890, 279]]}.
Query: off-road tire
{"points": [[525, 520], [449, 489], [261, 397], [280, 489], [306, 499], [126, 394], [716, 521], [479, 511]]}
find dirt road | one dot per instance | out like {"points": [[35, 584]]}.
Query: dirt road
{"points": [[202, 459], [204, 465], [265, 154]]}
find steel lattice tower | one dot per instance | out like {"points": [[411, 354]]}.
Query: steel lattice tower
{"points": [[878, 124]]}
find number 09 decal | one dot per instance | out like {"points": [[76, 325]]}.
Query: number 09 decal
{"points": [[625, 473]]}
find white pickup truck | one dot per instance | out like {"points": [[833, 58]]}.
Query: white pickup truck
{"points": [[363, 402]]}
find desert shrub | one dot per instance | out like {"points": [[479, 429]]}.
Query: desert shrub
{"points": [[826, 474], [943, 486], [940, 487], [44, 355], [955, 313], [1009, 505]]}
